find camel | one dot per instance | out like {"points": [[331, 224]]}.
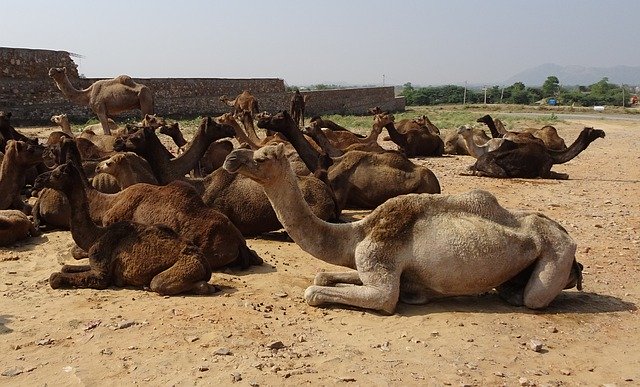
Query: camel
{"points": [[104, 143], [322, 123], [547, 135], [145, 143], [19, 156], [254, 142], [106, 97], [455, 144], [415, 248], [476, 150], [125, 253], [14, 226], [359, 179], [128, 168], [181, 208], [531, 160], [244, 101], [416, 141], [173, 131], [298, 104], [346, 141], [8, 132]]}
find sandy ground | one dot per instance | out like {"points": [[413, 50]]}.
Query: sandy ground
{"points": [[259, 331]]}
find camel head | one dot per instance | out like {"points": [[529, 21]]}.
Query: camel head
{"points": [[575, 276], [227, 119], [134, 142], [277, 121], [108, 165], [62, 178], [223, 98], [214, 129], [4, 118], [60, 120], [25, 154], [465, 130], [153, 121], [58, 72], [484, 119], [383, 119], [592, 134], [375, 110], [263, 165]]}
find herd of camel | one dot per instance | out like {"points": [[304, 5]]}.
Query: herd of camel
{"points": [[147, 217]]}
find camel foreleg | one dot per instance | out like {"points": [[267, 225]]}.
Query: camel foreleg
{"points": [[332, 278]]}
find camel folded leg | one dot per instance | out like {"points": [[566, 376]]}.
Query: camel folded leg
{"points": [[549, 277], [92, 279], [188, 274], [332, 278], [75, 268], [380, 291]]}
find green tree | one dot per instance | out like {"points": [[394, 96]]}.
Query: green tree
{"points": [[550, 87]]}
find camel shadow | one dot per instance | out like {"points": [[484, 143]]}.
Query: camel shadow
{"points": [[26, 244], [255, 269], [4, 320], [566, 302]]}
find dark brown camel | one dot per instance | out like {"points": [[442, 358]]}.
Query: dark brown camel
{"points": [[176, 205], [18, 158], [125, 253], [145, 143], [322, 123], [298, 104], [531, 160]]}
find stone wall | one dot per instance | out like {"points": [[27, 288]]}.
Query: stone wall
{"points": [[27, 91]]}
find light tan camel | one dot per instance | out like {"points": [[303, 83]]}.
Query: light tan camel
{"points": [[415, 248], [128, 168], [476, 150], [244, 101], [106, 97], [102, 141], [454, 143], [14, 226]]}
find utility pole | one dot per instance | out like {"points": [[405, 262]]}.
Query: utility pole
{"points": [[382, 79], [464, 95], [623, 95], [502, 94], [485, 94]]}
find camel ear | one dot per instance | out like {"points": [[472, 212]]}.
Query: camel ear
{"points": [[280, 150]]}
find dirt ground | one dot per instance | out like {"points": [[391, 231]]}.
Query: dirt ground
{"points": [[259, 331]]}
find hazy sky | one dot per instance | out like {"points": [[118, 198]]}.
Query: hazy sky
{"points": [[327, 41]]}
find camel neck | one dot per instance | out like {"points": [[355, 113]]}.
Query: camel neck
{"points": [[332, 243], [83, 231], [395, 135], [373, 135], [474, 149], [250, 129], [11, 179], [182, 164], [80, 97], [241, 135], [492, 128], [580, 144]]}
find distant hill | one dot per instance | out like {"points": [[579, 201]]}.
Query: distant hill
{"points": [[577, 75]]}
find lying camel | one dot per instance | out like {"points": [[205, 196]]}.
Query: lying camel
{"points": [[8, 132], [128, 168], [455, 144], [415, 248], [416, 142], [176, 205], [474, 149], [531, 159], [145, 143], [14, 226], [338, 143], [359, 179], [19, 156], [106, 97], [547, 135], [125, 253], [322, 123]]}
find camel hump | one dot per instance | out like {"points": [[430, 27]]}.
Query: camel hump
{"points": [[126, 80]]}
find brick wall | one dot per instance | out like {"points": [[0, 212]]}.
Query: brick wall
{"points": [[27, 91]]}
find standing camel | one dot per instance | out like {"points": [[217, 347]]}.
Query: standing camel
{"points": [[106, 97], [298, 103], [244, 101]]}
